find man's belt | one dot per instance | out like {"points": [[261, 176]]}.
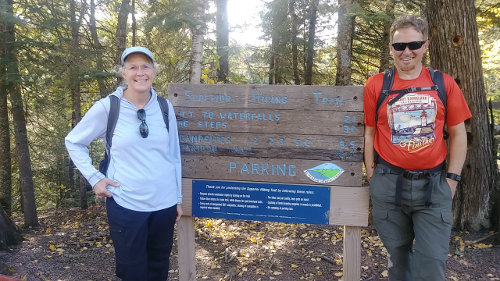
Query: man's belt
{"points": [[411, 175]]}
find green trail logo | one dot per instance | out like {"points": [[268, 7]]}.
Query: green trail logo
{"points": [[324, 173]]}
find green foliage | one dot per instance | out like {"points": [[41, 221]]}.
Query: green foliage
{"points": [[488, 19]]}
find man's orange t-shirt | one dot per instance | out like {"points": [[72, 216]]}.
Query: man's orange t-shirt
{"points": [[409, 133]]}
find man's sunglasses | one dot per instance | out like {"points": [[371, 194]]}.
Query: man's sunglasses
{"points": [[414, 45], [143, 128]]}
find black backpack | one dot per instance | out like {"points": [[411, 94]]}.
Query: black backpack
{"points": [[437, 79], [114, 111]]}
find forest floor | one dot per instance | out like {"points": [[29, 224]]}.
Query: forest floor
{"points": [[74, 245]]}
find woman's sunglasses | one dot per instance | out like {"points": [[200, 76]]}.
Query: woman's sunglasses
{"points": [[414, 45], [143, 128]]}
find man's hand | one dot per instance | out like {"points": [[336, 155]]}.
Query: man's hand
{"points": [[100, 187], [453, 186], [179, 212]]}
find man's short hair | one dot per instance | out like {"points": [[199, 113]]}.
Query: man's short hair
{"points": [[406, 21]]}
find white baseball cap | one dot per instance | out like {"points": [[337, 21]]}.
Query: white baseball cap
{"points": [[137, 49]]}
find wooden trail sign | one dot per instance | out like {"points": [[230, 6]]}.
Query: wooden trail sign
{"points": [[274, 153]]}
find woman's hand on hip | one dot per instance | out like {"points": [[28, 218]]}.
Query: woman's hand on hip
{"points": [[100, 188], [179, 212]]}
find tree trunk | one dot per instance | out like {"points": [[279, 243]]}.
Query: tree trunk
{"points": [[271, 64], [9, 232], [98, 49], [134, 25], [384, 48], [13, 79], [152, 8], [293, 41], [279, 28], [455, 50], [344, 43], [5, 161], [310, 42], [222, 27], [121, 30], [198, 32], [74, 86]]}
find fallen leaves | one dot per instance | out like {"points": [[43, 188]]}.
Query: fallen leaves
{"points": [[241, 250]]}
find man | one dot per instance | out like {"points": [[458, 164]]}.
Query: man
{"points": [[405, 150]]}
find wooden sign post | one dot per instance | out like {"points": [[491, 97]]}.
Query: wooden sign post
{"points": [[272, 153]]}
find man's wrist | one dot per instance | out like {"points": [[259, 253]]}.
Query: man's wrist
{"points": [[454, 177]]}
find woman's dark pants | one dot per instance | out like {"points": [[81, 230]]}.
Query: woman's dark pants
{"points": [[142, 241]]}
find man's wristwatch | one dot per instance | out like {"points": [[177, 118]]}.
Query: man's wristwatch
{"points": [[454, 177]]}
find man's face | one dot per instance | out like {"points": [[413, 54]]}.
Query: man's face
{"points": [[408, 60]]}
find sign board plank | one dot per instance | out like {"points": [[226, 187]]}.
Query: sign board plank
{"points": [[346, 98], [292, 171], [257, 145], [271, 121], [349, 206]]}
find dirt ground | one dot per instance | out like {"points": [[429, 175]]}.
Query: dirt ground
{"points": [[74, 245]]}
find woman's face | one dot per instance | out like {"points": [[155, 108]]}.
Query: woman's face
{"points": [[139, 72]]}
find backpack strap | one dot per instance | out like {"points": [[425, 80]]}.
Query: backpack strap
{"points": [[438, 80], [386, 87], [164, 109], [114, 111]]}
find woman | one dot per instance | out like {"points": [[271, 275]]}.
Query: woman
{"points": [[143, 179]]}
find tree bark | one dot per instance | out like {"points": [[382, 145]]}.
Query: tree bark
{"points": [[222, 28], [98, 49], [198, 32], [293, 41], [5, 161], [344, 43], [13, 79], [9, 232], [121, 30], [310, 42], [455, 50], [384, 48], [279, 29], [134, 25], [152, 8], [74, 86]]}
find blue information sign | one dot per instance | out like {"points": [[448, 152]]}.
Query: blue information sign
{"points": [[261, 201]]}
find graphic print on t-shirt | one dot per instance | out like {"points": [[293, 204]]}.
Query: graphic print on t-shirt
{"points": [[412, 121]]}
